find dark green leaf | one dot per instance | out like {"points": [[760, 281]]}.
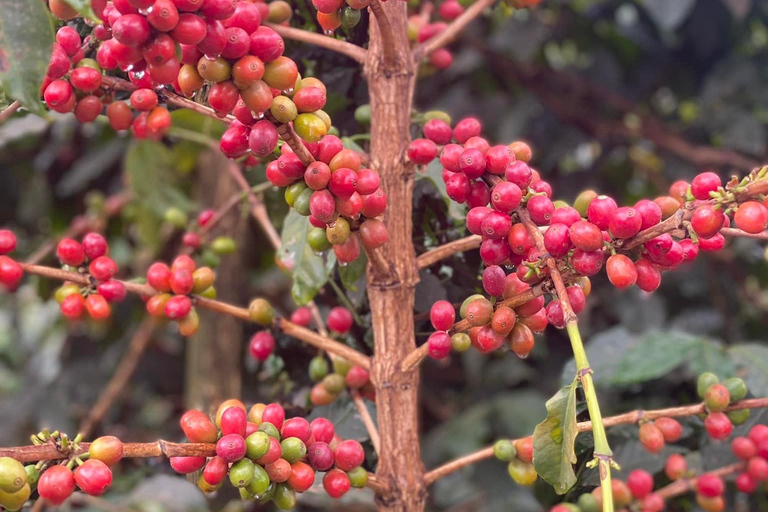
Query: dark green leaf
{"points": [[83, 7], [26, 42], [351, 273], [656, 355], [554, 439], [752, 358], [309, 271], [150, 169]]}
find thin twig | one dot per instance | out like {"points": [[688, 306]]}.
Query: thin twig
{"points": [[121, 376], [9, 111], [452, 30], [387, 37], [628, 418], [291, 329], [367, 420], [447, 250], [352, 51], [743, 234]]}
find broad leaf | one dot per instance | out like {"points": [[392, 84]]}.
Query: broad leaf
{"points": [[346, 420], [83, 7], [752, 358], [669, 15], [554, 439], [656, 355], [151, 175], [26, 43], [310, 272]]}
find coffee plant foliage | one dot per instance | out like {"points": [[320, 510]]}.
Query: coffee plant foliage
{"points": [[688, 70]]}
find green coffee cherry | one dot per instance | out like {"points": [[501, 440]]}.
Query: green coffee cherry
{"points": [[256, 446], [560, 204], [588, 503], [65, 291], [210, 258], [209, 293], [241, 473], [244, 494], [223, 245], [706, 380], [522, 473], [293, 191], [176, 218], [582, 201], [33, 475], [301, 203], [736, 387], [334, 383], [350, 17], [358, 477], [261, 312], [363, 114], [94, 199], [13, 476], [259, 482], [504, 450], [437, 114], [270, 430], [285, 497], [325, 118], [294, 449], [341, 365], [318, 366], [460, 342], [267, 495], [738, 417], [283, 109], [310, 127], [318, 240], [338, 232], [15, 500], [89, 63]]}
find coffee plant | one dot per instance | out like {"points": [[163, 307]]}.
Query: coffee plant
{"points": [[140, 66]]}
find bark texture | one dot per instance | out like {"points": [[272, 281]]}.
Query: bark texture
{"points": [[391, 285]]}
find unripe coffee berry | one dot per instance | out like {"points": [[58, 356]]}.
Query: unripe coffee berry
{"points": [[261, 312], [717, 398], [504, 450]]}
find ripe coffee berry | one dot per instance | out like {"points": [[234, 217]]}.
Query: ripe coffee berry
{"points": [[340, 320], [640, 483], [540, 208], [745, 483], [70, 252], [651, 437], [103, 268], [230, 447], [751, 217], [743, 448], [262, 345], [718, 425], [710, 485], [320, 456], [442, 315], [557, 240], [93, 477], [625, 223], [675, 467], [670, 429], [649, 212], [703, 184], [7, 241], [601, 210], [274, 414], [10, 272], [439, 345], [422, 151], [348, 455], [56, 484], [621, 271], [586, 236], [707, 221], [336, 483]]}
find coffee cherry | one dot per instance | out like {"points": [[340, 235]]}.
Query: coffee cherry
{"points": [[230, 447], [102, 268], [198, 427], [710, 486], [600, 211], [651, 437], [503, 320], [339, 320], [640, 483], [751, 217], [442, 315], [260, 311], [504, 450], [743, 448], [56, 484], [7, 241], [97, 307], [521, 340], [13, 476], [302, 476], [336, 483], [718, 425], [460, 342], [478, 311], [586, 236], [705, 381], [675, 467], [422, 151], [716, 504], [439, 345], [703, 184], [357, 377], [757, 468], [274, 414], [670, 429], [621, 271], [587, 263], [557, 240], [717, 398], [93, 477], [540, 208], [178, 307], [650, 213], [745, 483], [320, 456], [707, 221], [348, 455], [648, 275], [10, 272], [70, 252], [522, 473], [262, 345]]}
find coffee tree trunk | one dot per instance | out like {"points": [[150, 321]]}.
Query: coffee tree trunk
{"points": [[391, 285]]}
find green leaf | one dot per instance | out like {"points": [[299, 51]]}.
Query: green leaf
{"points": [[150, 168], [346, 420], [752, 358], [83, 7], [310, 272], [656, 355], [351, 273], [26, 43], [554, 440]]}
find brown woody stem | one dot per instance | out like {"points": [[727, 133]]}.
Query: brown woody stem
{"points": [[451, 31], [447, 250], [350, 50]]}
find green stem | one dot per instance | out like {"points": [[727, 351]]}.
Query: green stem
{"points": [[602, 451]]}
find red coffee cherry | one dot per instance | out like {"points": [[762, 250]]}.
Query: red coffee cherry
{"points": [[95, 246], [322, 429], [718, 425], [297, 427], [107, 449], [103, 268], [320, 456], [555, 314], [336, 483], [422, 151], [743, 448], [649, 212], [302, 316], [373, 233], [186, 465], [587, 263], [93, 477], [652, 503], [143, 100], [357, 377], [640, 483], [159, 277], [348, 455], [557, 240], [751, 217], [73, 306], [648, 275], [706, 221], [438, 131], [181, 281], [233, 421], [112, 290], [586, 236], [703, 184], [670, 429], [710, 485], [600, 211], [274, 414], [198, 427], [540, 208], [757, 467], [506, 197], [717, 398], [215, 471], [230, 447], [745, 483], [70, 252], [178, 307], [676, 466], [340, 320], [621, 271], [625, 223], [651, 437], [56, 484], [262, 345], [97, 307], [7, 241], [439, 345], [467, 128], [278, 471]]}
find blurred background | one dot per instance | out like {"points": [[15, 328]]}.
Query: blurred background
{"points": [[621, 96]]}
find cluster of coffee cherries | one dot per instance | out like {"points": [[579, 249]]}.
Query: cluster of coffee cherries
{"points": [[269, 457], [332, 14], [226, 55], [519, 455], [91, 257], [10, 270], [341, 197], [174, 285], [57, 481]]}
